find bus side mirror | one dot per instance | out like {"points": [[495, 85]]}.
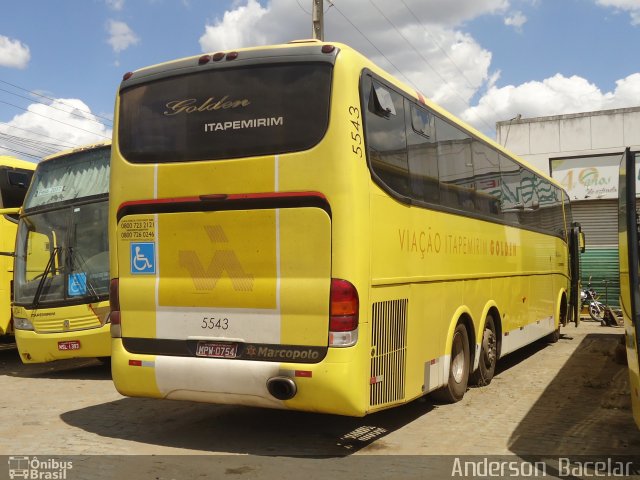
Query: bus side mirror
{"points": [[581, 242]]}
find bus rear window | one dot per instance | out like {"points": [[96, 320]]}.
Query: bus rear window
{"points": [[225, 113]]}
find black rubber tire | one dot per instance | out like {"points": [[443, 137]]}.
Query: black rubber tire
{"points": [[106, 361], [596, 314], [554, 336], [488, 355], [458, 379]]}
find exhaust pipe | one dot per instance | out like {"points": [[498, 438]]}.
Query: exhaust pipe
{"points": [[282, 388]]}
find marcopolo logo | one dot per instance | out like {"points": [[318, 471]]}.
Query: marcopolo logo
{"points": [[284, 353], [38, 469]]}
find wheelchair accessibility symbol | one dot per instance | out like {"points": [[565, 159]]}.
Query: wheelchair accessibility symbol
{"points": [[77, 284], [143, 258]]}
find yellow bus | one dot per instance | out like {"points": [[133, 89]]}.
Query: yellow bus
{"points": [[291, 227], [15, 176], [61, 277], [630, 269]]}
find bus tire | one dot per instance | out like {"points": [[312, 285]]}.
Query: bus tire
{"points": [[458, 377], [106, 361], [488, 355], [554, 336]]}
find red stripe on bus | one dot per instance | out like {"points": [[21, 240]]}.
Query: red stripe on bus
{"points": [[222, 197]]}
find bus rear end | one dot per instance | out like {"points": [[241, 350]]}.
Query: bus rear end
{"points": [[226, 190]]}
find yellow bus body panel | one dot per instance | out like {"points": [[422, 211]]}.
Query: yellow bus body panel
{"points": [[630, 327], [8, 230], [209, 268]]}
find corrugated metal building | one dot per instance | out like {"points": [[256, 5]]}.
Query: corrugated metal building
{"points": [[583, 151]]}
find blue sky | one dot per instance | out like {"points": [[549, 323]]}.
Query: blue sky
{"points": [[485, 60]]}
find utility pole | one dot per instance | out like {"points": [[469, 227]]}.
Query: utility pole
{"points": [[318, 20]]}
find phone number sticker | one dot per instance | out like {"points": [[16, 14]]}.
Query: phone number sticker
{"points": [[139, 229]]}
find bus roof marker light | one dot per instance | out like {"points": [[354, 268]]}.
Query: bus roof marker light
{"points": [[328, 48], [216, 57], [204, 59], [127, 76], [232, 56]]}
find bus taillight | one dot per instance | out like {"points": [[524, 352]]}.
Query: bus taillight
{"points": [[114, 305], [343, 320]]}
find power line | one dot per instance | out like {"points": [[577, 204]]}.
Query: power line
{"points": [[426, 61], [435, 42], [20, 152], [62, 145], [56, 108], [56, 100], [374, 46], [302, 8], [54, 120], [43, 147], [438, 45]]}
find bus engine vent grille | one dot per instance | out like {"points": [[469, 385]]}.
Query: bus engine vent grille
{"points": [[388, 351]]}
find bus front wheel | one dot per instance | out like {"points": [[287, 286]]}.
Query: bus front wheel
{"points": [[458, 378]]}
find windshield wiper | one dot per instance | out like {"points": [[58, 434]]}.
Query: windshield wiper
{"points": [[45, 273]]}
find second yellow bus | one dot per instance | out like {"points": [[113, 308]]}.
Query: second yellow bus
{"points": [[61, 278]]}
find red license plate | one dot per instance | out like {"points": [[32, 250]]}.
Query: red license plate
{"points": [[217, 350], [69, 345]]}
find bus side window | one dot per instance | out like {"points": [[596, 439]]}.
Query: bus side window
{"points": [[550, 215], [455, 167], [511, 193], [486, 175], [423, 157], [13, 188], [386, 137]]}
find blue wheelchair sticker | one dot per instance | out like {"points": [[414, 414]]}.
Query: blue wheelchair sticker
{"points": [[77, 284], [143, 258]]}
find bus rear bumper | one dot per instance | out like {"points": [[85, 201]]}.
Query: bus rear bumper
{"points": [[325, 387], [47, 347]]}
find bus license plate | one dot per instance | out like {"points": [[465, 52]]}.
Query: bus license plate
{"points": [[217, 350], [69, 345]]}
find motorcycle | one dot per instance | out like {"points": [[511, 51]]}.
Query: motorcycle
{"points": [[589, 298]]}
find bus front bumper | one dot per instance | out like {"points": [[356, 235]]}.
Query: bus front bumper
{"points": [[46, 347]]}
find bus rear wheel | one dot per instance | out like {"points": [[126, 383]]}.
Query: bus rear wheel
{"points": [[488, 355], [458, 378]]}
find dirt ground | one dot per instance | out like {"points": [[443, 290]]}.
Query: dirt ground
{"points": [[546, 402]]}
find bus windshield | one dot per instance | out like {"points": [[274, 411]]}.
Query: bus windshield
{"points": [[62, 253], [69, 178], [225, 113]]}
